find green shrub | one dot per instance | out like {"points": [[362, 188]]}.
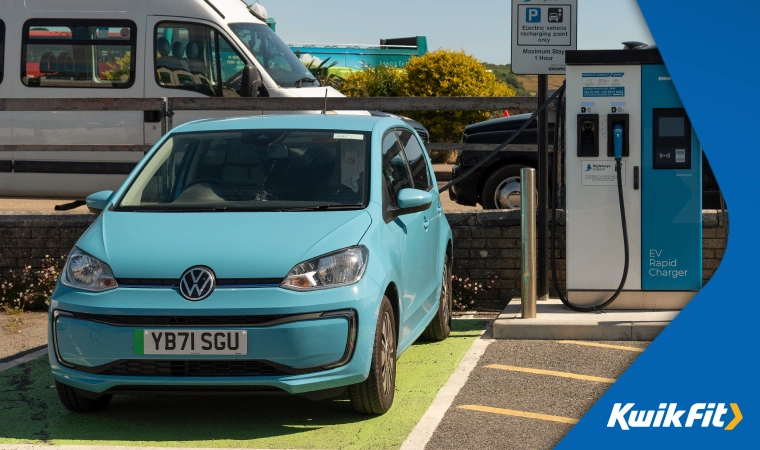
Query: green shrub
{"points": [[442, 73], [447, 73], [465, 292], [380, 81]]}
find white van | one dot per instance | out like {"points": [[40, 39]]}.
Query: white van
{"points": [[124, 49]]}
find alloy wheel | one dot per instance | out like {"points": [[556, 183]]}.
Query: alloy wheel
{"points": [[386, 354]]}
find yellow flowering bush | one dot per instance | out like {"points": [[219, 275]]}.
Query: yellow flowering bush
{"points": [[447, 73], [442, 73]]}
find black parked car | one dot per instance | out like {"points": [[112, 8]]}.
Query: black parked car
{"points": [[496, 184]]}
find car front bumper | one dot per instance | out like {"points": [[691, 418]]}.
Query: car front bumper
{"points": [[466, 191], [298, 342]]}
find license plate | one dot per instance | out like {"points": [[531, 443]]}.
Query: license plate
{"points": [[191, 342]]}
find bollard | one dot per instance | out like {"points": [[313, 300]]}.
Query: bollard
{"points": [[528, 242]]}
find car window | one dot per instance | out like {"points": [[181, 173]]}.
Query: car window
{"points": [[78, 53], [274, 55], [196, 58], [415, 154], [395, 170], [259, 169]]}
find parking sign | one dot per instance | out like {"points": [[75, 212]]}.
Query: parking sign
{"points": [[532, 15], [541, 33]]}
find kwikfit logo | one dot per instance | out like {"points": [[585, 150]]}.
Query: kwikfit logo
{"points": [[668, 415]]}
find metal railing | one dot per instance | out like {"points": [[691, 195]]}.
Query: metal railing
{"points": [[166, 107]]}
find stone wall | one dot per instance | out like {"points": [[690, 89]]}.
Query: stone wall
{"points": [[487, 252], [25, 240], [486, 249]]}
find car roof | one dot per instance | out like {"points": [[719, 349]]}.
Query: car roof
{"points": [[293, 121]]}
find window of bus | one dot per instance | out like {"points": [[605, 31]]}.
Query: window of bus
{"points": [[2, 49], [197, 58], [77, 53]]}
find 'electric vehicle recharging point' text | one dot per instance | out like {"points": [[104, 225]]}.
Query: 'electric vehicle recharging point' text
{"points": [[623, 111]]}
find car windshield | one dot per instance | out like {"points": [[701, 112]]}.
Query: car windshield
{"points": [[254, 170], [274, 55]]}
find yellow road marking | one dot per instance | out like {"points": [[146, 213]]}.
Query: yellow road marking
{"points": [[552, 373], [594, 344], [527, 415], [737, 417]]}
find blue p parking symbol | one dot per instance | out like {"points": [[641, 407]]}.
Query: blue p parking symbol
{"points": [[532, 15]]}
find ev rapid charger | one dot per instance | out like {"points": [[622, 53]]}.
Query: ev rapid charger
{"points": [[625, 100]]}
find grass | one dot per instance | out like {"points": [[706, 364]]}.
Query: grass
{"points": [[31, 413]]}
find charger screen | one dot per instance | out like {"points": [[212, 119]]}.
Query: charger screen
{"points": [[672, 127]]}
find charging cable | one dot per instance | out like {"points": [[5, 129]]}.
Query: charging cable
{"points": [[488, 157], [617, 138]]}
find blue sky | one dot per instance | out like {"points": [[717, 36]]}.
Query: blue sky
{"points": [[480, 27]]}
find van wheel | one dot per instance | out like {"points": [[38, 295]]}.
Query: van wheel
{"points": [[440, 327], [375, 394], [502, 189], [78, 403]]}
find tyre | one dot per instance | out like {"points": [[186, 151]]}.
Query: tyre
{"points": [[375, 394], [440, 327], [502, 188], [78, 403]]}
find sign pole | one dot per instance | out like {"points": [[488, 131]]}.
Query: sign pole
{"points": [[542, 287], [542, 31]]}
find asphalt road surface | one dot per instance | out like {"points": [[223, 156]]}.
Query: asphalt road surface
{"points": [[528, 394]]}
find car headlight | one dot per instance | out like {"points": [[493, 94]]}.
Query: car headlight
{"points": [[86, 272], [335, 269]]}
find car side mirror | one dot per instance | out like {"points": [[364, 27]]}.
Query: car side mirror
{"points": [[250, 82], [414, 200], [98, 201]]}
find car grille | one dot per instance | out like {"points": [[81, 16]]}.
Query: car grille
{"points": [[191, 368], [182, 320], [204, 389], [171, 282]]}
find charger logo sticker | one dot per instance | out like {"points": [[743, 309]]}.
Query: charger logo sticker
{"points": [[668, 415], [600, 172]]}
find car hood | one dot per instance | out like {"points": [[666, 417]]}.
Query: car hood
{"points": [[232, 244], [500, 124]]}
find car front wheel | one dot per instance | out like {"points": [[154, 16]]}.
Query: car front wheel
{"points": [[502, 188], [375, 394], [79, 403]]}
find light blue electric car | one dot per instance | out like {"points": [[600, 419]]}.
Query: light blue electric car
{"points": [[298, 253]]}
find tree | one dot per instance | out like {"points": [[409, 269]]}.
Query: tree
{"points": [[447, 73]]}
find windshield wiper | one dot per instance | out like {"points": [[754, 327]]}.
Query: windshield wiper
{"points": [[321, 208], [302, 79], [149, 209]]}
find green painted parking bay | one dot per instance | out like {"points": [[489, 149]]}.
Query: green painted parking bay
{"points": [[31, 413]]}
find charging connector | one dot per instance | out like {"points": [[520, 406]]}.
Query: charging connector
{"points": [[617, 138], [613, 122]]}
